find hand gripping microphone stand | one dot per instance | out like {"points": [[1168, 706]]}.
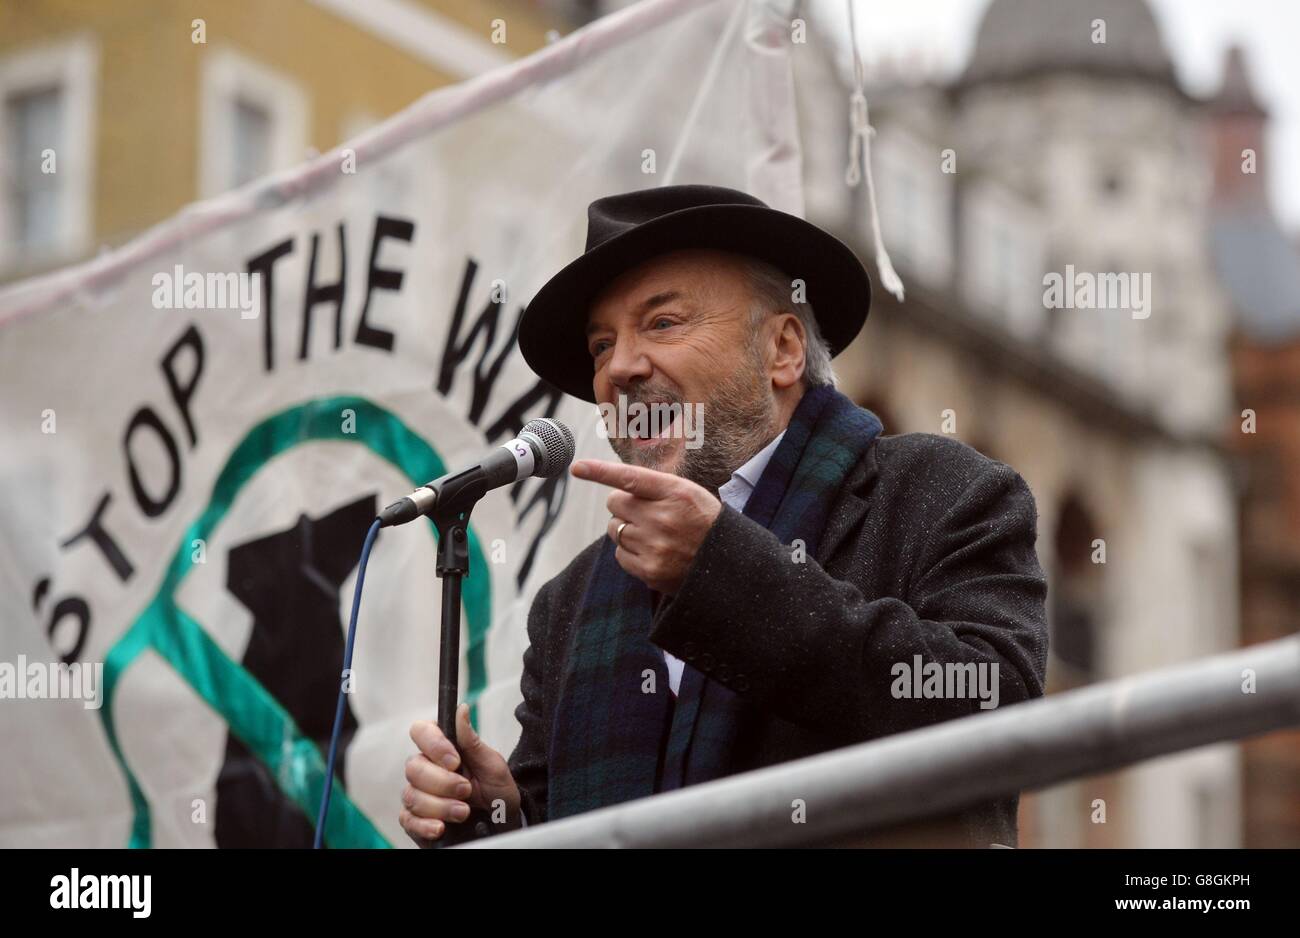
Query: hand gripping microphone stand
{"points": [[456, 499], [550, 446], [544, 448]]}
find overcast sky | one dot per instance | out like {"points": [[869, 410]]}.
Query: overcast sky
{"points": [[1196, 32]]}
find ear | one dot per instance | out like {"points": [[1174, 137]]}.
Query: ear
{"points": [[787, 343]]}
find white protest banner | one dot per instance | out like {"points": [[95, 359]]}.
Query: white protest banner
{"points": [[199, 426]]}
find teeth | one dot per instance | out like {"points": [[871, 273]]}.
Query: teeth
{"points": [[654, 410]]}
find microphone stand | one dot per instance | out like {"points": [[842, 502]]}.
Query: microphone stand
{"points": [[456, 499]]}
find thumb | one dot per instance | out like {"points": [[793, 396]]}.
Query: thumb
{"points": [[477, 753]]}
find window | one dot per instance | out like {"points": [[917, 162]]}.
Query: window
{"points": [[1002, 258], [915, 201], [251, 142], [32, 130], [254, 121], [47, 98], [1075, 598]]}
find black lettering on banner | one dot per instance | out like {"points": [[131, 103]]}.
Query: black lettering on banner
{"points": [[72, 606], [456, 351], [550, 495], [551, 492], [378, 278], [264, 264], [520, 412], [146, 417], [181, 393], [94, 529], [38, 594], [324, 293]]}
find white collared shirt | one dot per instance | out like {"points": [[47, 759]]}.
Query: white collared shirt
{"points": [[735, 494]]}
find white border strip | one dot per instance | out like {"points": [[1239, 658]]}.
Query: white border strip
{"points": [[436, 109]]}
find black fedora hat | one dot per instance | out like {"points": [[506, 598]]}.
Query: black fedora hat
{"points": [[626, 229]]}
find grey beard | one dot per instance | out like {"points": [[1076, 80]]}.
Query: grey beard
{"points": [[739, 420]]}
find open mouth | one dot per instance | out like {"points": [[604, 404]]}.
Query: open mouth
{"points": [[666, 433], [659, 425]]}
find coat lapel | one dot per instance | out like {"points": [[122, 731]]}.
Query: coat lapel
{"points": [[850, 507]]}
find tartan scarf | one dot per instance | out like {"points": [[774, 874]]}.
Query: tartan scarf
{"points": [[618, 734]]}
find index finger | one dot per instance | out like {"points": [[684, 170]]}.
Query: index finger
{"points": [[635, 480]]}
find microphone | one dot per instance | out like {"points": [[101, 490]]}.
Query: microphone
{"points": [[543, 448]]}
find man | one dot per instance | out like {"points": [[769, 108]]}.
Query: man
{"points": [[754, 598]]}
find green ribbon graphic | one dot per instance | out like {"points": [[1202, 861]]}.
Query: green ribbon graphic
{"points": [[252, 714]]}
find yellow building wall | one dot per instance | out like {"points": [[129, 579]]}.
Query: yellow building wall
{"points": [[146, 160]]}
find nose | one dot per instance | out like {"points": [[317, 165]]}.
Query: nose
{"points": [[627, 362]]}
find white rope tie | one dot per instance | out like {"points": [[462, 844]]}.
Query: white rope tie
{"points": [[860, 134]]}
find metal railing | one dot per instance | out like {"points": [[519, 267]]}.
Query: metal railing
{"points": [[958, 763]]}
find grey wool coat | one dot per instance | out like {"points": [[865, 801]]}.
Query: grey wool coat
{"points": [[929, 550]]}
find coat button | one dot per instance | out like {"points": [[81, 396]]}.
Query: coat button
{"points": [[706, 662], [688, 651], [741, 683], [723, 673]]}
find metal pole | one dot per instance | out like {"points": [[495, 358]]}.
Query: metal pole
{"points": [[449, 654], [956, 763], [450, 518]]}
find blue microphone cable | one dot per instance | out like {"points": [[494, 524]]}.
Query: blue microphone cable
{"points": [[347, 667]]}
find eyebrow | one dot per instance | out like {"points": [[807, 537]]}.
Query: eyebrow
{"points": [[659, 299]]}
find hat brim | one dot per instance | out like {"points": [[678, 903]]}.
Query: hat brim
{"points": [[552, 333]]}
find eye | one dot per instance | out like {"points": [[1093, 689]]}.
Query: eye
{"points": [[661, 321], [598, 347]]}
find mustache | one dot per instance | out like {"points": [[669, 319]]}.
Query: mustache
{"points": [[649, 394]]}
